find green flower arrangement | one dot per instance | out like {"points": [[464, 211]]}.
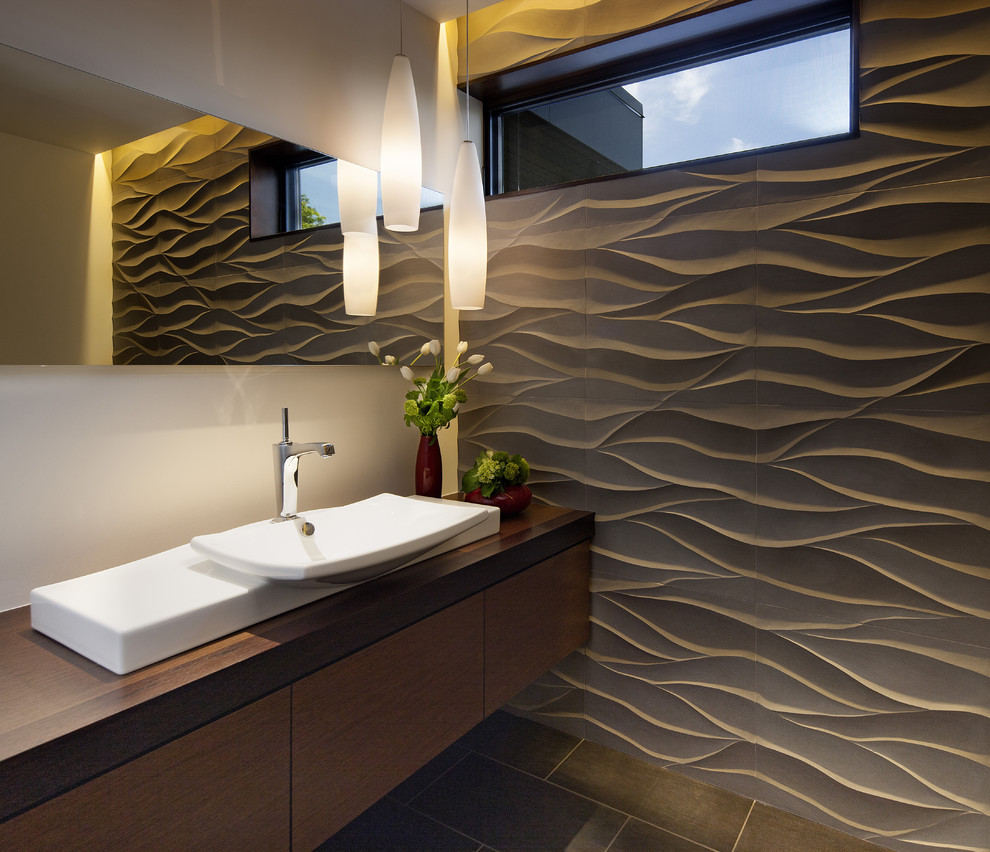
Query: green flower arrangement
{"points": [[495, 471], [435, 399]]}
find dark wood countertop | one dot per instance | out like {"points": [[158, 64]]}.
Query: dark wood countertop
{"points": [[64, 719]]}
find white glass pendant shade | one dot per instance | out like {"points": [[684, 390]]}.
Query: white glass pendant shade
{"points": [[361, 274], [357, 197], [467, 233], [402, 156]]}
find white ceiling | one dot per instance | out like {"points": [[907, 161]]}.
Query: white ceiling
{"points": [[52, 103], [447, 10]]}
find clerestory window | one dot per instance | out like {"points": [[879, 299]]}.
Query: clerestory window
{"points": [[750, 77]]}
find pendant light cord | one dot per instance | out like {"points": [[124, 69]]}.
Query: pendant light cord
{"points": [[401, 51], [467, 70]]}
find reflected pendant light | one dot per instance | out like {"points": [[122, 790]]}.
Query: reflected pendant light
{"points": [[361, 274], [402, 154], [467, 230], [357, 198]]}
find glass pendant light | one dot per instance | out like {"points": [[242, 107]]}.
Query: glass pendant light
{"points": [[357, 198], [402, 154], [467, 230], [361, 274]]}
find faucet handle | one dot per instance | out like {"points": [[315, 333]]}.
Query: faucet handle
{"points": [[285, 426]]}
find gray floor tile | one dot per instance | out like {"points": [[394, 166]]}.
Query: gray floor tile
{"points": [[511, 811]]}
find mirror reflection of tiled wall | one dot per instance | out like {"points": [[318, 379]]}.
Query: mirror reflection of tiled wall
{"points": [[769, 379], [190, 287]]}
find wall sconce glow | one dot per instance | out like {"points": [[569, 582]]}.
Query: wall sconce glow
{"points": [[357, 198], [361, 274], [402, 157], [467, 233]]}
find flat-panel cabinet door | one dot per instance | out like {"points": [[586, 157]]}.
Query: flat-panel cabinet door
{"points": [[533, 620], [222, 787], [364, 724]]}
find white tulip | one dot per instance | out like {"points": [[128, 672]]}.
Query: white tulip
{"points": [[373, 348], [462, 347], [485, 369], [476, 359], [434, 347], [407, 373], [425, 348], [390, 360], [452, 374]]}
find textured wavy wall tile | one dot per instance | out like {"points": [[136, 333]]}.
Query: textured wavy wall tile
{"points": [[555, 219], [671, 309], [557, 698], [533, 325], [967, 832], [876, 731], [672, 679], [902, 31], [188, 147], [515, 32], [848, 499], [182, 219], [877, 517], [702, 188], [608, 18], [877, 296], [674, 491]]}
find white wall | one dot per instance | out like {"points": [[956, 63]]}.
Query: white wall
{"points": [[311, 71], [55, 255], [104, 465]]}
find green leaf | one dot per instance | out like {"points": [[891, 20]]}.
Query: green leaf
{"points": [[469, 482]]}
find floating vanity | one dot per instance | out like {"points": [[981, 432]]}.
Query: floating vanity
{"points": [[276, 736]]}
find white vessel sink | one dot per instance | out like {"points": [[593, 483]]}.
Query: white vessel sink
{"points": [[136, 614], [348, 544]]}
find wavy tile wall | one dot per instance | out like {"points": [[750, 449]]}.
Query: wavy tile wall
{"points": [[769, 379], [515, 32], [191, 287]]}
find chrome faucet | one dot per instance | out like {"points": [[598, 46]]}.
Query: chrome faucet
{"points": [[287, 469]]}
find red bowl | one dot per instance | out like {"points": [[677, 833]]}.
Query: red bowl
{"points": [[512, 501]]}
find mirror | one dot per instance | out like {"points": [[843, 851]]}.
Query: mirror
{"points": [[124, 230]]}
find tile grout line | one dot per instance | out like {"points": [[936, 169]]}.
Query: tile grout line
{"points": [[742, 828], [622, 828], [563, 760]]}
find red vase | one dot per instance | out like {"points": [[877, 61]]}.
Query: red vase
{"points": [[429, 467], [512, 501]]}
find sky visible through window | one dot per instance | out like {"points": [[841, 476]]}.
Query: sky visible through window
{"points": [[788, 93]]}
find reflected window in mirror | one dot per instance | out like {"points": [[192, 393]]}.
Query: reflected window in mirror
{"points": [[295, 189]]}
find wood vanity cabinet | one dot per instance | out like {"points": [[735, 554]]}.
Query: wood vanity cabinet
{"points": [[533, 620], [290, 768], [225, 786], [363, 725]]}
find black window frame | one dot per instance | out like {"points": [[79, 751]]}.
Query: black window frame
{"points": [[732, 30], [274, 182]]}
